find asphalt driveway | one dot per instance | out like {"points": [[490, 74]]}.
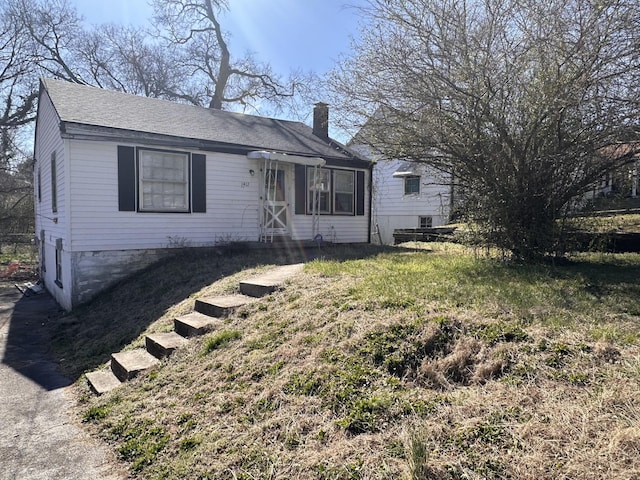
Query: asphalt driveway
{"points": [[39, 436]]}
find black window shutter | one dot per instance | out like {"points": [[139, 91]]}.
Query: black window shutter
{"points": [[126, 179], [360, 193], [301, 189], [198, 183]]}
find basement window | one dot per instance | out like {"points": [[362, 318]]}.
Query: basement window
{"points": [[425, 222]]}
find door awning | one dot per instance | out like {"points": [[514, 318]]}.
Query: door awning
{"points": [[283, 157], [407, 169]]}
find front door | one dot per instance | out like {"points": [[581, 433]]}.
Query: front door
{"points": [[275, 211]]}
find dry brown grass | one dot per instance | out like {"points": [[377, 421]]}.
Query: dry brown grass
{"points": [[332, 378]]}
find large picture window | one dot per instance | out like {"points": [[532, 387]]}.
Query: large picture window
{"points": [[330, 191], [163, 181]]}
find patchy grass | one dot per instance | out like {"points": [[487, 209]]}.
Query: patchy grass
{"points": [[219, 339], [149, 301], [18, 263], [608, 223], [409, 363]]}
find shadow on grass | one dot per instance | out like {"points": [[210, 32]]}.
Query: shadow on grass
{"points": [[88, 336]]}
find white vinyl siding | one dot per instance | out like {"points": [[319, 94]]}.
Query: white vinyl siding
{"points": [[51, 216], [393, 209], [335, 228], [232, 205], [49, 144]]}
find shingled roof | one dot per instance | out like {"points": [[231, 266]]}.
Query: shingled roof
{"points": [[103, 110]]}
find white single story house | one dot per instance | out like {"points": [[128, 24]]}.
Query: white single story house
{"points": [[121, 179]]}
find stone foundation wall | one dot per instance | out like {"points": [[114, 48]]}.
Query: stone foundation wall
{"points": [[94, 272]]}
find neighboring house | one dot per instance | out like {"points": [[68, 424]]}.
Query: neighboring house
{"points": [[120, 179], [407, 195], [622, 182]]}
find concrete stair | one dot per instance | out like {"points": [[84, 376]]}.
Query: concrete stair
{"points": [[194, 324], [207, 315], [222, 306], [162, 345], [102, 381], [129, 364], [270, 281]]}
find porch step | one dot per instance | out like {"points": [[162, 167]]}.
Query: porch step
{"points": [[102, 381], [270, 281], [222, 306], [162, 345], [194, 324], [126, 365]]}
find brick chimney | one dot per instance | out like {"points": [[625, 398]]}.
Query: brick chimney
{"points": [[321, 120]]}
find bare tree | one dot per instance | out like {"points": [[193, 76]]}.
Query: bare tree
{"points": [[52, 29], [123, 58], [524, 103], [217, 79], [18, 93]]}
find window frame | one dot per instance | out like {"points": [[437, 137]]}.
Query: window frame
{"points": [[428, 220], [352, 193], [54, 183], [58, 280], [39, 180], [330, 192], [141, 181], [43, 250], [412, 178], [324, 191]]}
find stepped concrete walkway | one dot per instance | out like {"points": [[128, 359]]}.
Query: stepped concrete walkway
{"points": [[39, 439], [208, 313]]}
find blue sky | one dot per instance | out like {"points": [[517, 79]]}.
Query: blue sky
{"points": [[307, 35]]}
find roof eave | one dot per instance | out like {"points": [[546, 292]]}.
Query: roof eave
{"points": [[80, 131]]}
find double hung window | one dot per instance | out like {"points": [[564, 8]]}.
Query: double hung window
{"points": [[343, 192], [319, 190], [330, 191], [411, 185]]}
